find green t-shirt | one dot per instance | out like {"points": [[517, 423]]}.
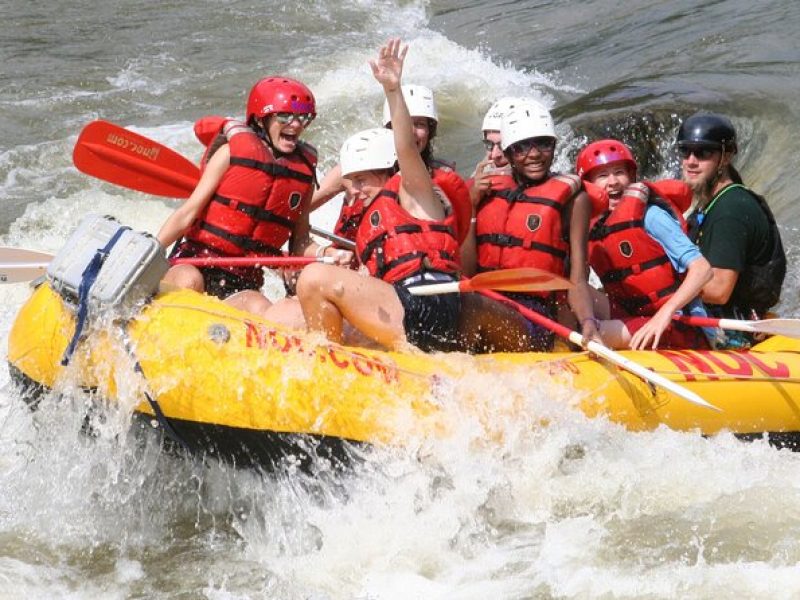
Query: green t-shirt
{"points": [[735, 231]]}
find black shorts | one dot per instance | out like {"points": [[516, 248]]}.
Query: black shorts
{"points": [[220, 282], [430, 322]]}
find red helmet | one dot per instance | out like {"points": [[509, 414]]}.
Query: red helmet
{"points": [[280, 94], [601, 153]]}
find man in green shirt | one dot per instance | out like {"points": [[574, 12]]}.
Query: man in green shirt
{"points": [[732, 225]]}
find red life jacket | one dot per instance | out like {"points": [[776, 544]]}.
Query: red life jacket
{"points": [[394, 245], [259, 199], [457, 193], [525, 227], [634, 268], [349, 219], [445, 178]]}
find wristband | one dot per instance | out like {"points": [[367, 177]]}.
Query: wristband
{"points": [[321, 250]]}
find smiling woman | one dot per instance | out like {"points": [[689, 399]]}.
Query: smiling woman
{"points": [[535, 218], [253, 195]]}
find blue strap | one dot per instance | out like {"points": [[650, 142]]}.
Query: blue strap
{"points": [[88, 277]]}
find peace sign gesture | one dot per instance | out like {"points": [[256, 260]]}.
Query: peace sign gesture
{"points": [[388, 67]]}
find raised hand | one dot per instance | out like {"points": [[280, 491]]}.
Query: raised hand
{"points": [[388, 68]]}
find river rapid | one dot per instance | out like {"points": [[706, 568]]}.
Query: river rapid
{"points": [[578, 509]]}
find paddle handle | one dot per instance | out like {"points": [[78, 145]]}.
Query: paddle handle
{"points": [[342, 241], [435, 288], [731, 324]]}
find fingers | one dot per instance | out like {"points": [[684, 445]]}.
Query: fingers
{"points": [[393, 49], [641, 339]]}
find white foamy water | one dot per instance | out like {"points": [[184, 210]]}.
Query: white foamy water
{"points": [[577, 509]]}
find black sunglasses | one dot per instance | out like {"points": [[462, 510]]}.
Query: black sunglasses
{"points": [[489, 145], [542, 144], [700, 152]]}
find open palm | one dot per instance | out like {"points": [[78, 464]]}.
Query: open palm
{"points": [[388, 67]]}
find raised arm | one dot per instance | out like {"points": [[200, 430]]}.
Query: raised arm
{"points": [[416, 192]]}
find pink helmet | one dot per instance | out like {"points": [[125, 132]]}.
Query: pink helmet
{"points": [[603, 152], [280, 94]]}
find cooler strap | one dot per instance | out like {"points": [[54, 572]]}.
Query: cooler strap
{"points": [[88, 277]]}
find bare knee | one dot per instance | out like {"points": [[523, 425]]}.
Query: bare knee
{"points": [[314, 283], [185, 276], [250, 301]]}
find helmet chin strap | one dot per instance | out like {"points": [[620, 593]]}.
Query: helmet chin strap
{"points": [[263, 132]]}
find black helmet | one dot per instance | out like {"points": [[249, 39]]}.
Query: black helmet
{"points": [[708, 129]]}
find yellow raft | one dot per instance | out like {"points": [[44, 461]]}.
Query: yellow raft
{"points": [[221, 381]]}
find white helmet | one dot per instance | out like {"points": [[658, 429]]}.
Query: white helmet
{"points": [[524, 122], [419, 100], [494, 116], [368, 150]]}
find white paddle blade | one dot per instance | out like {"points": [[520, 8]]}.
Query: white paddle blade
{"points": [[785, 327], [16, 273], [18, 265]]}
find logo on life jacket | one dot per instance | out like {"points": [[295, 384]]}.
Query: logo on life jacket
{"points": [[626, 249], [534, 222], [375, 218], [294, 200]]}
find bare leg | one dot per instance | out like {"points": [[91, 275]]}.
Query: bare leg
{"points": [[330, 294], [185, 276], [615, 334], [249, 300], [287, 312]]}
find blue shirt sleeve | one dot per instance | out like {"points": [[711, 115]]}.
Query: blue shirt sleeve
{"points": [[665, 229]]}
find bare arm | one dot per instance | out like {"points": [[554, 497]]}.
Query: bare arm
{"points": [[719, 289], [416, 192], [330, 185], [697, 275], [580, 296], [180, 220], [300, 243]]}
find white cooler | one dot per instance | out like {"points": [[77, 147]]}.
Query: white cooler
{"points": [[130, 273]]}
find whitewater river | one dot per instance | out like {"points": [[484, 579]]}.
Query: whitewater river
{"points": [[579, 509]]}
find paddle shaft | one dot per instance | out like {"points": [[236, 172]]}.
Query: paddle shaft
{"points": [[18, 265], [602, 351], [252, 261]]}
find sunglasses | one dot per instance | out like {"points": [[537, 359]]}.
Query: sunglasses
{"points": [[489, 145], [700, 152], [542, 144], [286, 117]]}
